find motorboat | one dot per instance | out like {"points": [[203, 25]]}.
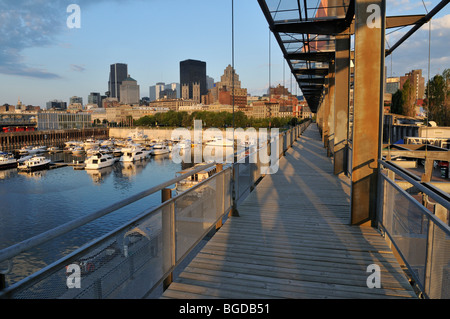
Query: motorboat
{"points": [[24, 158], [117, 152], [134, 153], [71, 144], [138, 137], [219, 141], [34, 163], [54, 149], [194, 179], [99, 160], [77, 150], [7, 160], [25, 150], [160, 148], [38, 149], [90, 143]]}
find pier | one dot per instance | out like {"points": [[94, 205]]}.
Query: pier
{"points": [[338, 217], [10, 142], [292, 239]]}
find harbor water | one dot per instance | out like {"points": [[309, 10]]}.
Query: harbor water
{"points": [[35, 202]]}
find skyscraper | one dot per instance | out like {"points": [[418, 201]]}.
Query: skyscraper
{"points": [[193, 77], [129, 91], [117, 73], [95, 98]]}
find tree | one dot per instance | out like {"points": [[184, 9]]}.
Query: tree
{"points": [[408, 99], [435, 100], [397, 103]]}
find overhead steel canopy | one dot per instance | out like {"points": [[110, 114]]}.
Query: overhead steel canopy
{"points": [[305, 31]]}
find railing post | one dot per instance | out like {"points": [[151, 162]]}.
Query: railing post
{"points": [[168, 227], [219, 168], [234, 188]]}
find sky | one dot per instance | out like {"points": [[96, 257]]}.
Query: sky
{"points": [[42, 59]]}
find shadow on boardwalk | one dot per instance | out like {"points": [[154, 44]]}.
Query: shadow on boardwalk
{"points": [[293, 240]]}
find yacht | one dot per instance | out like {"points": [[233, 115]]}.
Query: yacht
{"points": [[160, 148], [7, 160], [54, 149], [219, 141], [99, 160], [38, 149], [25, 150], [34, 163], [90, 143], [134, 153], [24, 158], [138, 137], [77, 150]]}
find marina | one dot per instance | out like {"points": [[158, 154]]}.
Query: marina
{"points": [[74, 179], [69, 186]]}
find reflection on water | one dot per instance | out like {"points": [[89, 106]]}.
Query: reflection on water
{"points": [[32, 203]]}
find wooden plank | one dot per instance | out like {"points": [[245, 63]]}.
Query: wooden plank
{"points": [[293, 240]]}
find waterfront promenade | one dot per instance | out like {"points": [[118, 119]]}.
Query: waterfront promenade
{"points": [[293, 240]]}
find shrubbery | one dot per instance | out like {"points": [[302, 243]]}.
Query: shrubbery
{"points": [[213, 119]]}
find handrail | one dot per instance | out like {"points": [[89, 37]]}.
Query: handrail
{"points": [[423, 187], [8, 253], [32, 242], [429, 214]]}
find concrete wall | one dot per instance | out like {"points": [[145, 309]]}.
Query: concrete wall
{"points": [[155, 133]]}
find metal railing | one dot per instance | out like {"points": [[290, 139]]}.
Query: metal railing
{"points": [[134, 259], [415, 219]]}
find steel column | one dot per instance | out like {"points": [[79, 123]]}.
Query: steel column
{"points": [[341, 104], [370, 18], [325, 113], [331, 96]]}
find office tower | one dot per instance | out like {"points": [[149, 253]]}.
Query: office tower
{"points": [[416, 81], [129, 91], [56, 104], [95, 98], [175, 87], [209, 82], [155, 91], [118, 73], [193, 77], [76, 99]]}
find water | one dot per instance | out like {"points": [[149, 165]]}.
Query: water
{"points": [[32, 203]]}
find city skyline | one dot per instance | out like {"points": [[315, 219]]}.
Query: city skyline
{"points": [[43, 59]]}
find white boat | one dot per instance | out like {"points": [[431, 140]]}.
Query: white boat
{"points": [[24, 158], [34, 163], [7, 160], [159, 149], [117, 152], [54, 149], [138, 137], [38, 149], [219, 141], [77, 150], [99, 160], [90, 143], [134, 153], [25, 150], [194, 179]]}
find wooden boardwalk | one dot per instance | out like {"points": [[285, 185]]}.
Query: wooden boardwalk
{"points": [[293, 240]]}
